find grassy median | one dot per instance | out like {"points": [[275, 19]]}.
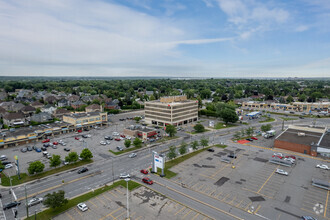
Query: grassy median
{"points": [[51, 213], [5, 181]]}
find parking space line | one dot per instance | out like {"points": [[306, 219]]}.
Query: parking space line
{"points": [[239, 203], [119, 191], [108, 198], [110, 214], [219, 195], [76, 209], [204, 218], [195, 216], [97, 198], [206, 176], [138, 218], [69, 215], [256, 211], [248, 205], [326, 204], [268, 179], [212, 192], [225, 197], [187, 214], [216, 173], [120, 215], [113, 194], [232, 200], [92, 203], [179, 211]]}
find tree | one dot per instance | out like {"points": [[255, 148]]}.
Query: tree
{"points": [[55, 160], [72, 157], [289, 99], [36, 167], [242, 132], [249, 131], [137, 143], [183, 148], [237, 135], [266, 127], [137, 119], [86, 154], [228, 115], [172, 152], [2, 167], [194, 145], [55, 199], [199, 128], [38, 111], [127, 143], [170, 130], [204, 142]]}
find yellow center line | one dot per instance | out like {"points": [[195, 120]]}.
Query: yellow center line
{"points": [[186, 214], [326, 204], [268, 179], [195, 216], [110, 214], [179, 211]]}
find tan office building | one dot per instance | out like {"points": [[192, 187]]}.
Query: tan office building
{"points": [[174, 110], [86, 120]]}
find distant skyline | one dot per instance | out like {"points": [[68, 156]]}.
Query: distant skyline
{"points": [[165, 38]]}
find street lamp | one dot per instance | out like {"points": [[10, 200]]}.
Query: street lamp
{"points": [[127, 179]]}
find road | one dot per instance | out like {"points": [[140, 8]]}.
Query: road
{"points": [[105, 171]]}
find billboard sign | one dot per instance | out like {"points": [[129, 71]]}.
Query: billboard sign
{"points": [[159, 161]]}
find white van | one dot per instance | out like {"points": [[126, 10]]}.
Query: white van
{"points": [[3, 157]]}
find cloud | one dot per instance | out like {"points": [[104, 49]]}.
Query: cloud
{"points": [[302, 28], [208, 3]]}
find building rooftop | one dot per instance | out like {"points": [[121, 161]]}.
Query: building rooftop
{"points": [[304, 137], [325, 141], [139, 128], [82, 115]]}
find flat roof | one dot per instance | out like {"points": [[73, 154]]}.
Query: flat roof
{"points": [[82, 115], [172, 103], [325, 142], [291, 135]]}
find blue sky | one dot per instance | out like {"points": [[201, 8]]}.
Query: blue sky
{"points": [[170, 38]]}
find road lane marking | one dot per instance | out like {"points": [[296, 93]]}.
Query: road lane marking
{"points": [[195, 216], [268, 179], [186, 214]]}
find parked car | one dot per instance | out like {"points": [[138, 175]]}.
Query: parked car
{"points": [[278, 156], [144, 171], [279, 171], [55, 143], [115, 133], [108, 142], [120, 148], [82, 207], [84, 136], [122, 135], [254, 138], [29, 148], [290, 159], [6, 162], [24, 149], [308, 218], [48, 156], [77, 138], [67, 149], [35, 201], [8, 166], [291, 156], [43, 148], [3, 157], [128, 138], [124, 176], [46, 145], [132, 155], [11, 205], [249, 139], [117, 139], [323, 166], [37, 149], [103, 143], [79, 131], [65, 162], [45, 141], [54, 147], [210, 149], [147, 181], [82, 170], [232, 156]]}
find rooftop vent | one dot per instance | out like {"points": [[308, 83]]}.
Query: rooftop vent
{"points": [[301, 134]]}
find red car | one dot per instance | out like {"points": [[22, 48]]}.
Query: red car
{"points": [[144, 171], [117, 139], [290, 156], [76, 138], [147, 181], [254, 138], [45, 141], [79, 131], [55, 143], [277, 156], [123, 136]]}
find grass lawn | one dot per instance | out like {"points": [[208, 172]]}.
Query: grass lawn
{"points": [[220, 145], [221, 125], [288, 119], [26, 178], [267, 120], [50, 213], [169, 164]]}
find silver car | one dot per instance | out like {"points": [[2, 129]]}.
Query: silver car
{"points": [[279, 171], [132, 155], [35, 201], [124, 176]]}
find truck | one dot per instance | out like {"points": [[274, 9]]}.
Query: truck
{"points": [[269, 134]]}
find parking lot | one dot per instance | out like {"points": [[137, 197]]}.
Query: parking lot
{"points": [[253, 185], [143, 202]]}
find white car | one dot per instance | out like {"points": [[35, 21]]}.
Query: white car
{"points": [[35, 201], [132, 155], [279, 171], [128, 138], [103, 143], [290, 159], [323, 166], [88, 135], [8, 166], [115, 133], [278, 154], [82, 206], [124, 176], [108, 142]]}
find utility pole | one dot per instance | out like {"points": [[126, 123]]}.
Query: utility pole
{"points": [[26, 203]]}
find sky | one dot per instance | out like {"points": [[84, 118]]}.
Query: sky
{"points": [[165, 38]]}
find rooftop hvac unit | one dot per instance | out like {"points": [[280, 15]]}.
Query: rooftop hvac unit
{"points": [[301, 134]]}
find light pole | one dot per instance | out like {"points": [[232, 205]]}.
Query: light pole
{"points": [[127, 179]]}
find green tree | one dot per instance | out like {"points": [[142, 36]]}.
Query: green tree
{"points": [[127, 143], [237, 135], [137, 143], [195, 145], [137, 119], [2, 167], [55, 199], [38, 110], [204, 142], [183, 148], [249, 131], [199, 128], [289, 99], [170, 130], [55, 160], [86, 154], [72, 157], [36, 167], [266, 127], [228, 115], [172, 152]]}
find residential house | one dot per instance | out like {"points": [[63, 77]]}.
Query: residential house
{"points": [[60, 112], [37, 104], [63, 103], [7, 105], [50, 99], [48, 108], [77, 104], [14, 119], [109, 104], [94, 108], [2, 112], [41, 117], [3, 95], [72, 98], [16, 107], [28, 110]]}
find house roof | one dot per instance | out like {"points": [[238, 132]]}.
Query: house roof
{"points": [[28, 108], [93, 106], [36, 103], [62, 111], [12, 116]]}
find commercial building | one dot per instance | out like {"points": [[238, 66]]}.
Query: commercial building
{"points": [[174, 110], [86, 120], [314, 141], [295, 106], [139, 131]]}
